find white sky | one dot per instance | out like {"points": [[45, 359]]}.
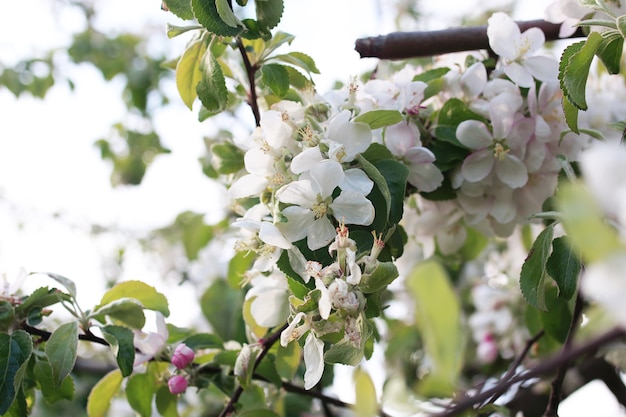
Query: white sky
{"points": [[49, 166]]}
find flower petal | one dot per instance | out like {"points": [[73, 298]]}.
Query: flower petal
{"points": [[542, 68], [299, 220], [474, 134], [298, 192], [478, 165], [511, 171], [425, 177], [271, 307], [313, 361], [357, 180], [270, 234], [504, 35], [306, 159], [320, 233], [352, 207], [247, 186], [326, 175]]}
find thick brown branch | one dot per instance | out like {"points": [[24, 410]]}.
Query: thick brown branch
{"points": [[403, 45], [545, 367]]}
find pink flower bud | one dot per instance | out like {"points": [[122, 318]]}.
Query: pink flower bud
{"points": [[487, 350], [182, 356], [177, 384]]}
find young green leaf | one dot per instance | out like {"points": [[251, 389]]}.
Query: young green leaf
{"points": [[571, 114], [66, 282], [574, 69], [181, 8], [379, 180], [102, 393], [211, 89], [208, 16], [564, 267], [125, 310], [366, 404], [148, 296], [52, 393], [298, 59], [166, 402], [276, 77], [221, 305], [532, 279], [244, 365], [15, 350], [380, 278], [438, 318], [140, 390], [556, 320], [610, 53], [188, 73], [269, 12], [226, 14], [61, 350], [396, 175], [379, 118], [288, 360], [121, 341]]}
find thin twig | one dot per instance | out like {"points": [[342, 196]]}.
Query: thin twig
{"points": [[543, 368], [45, 335], [403, 45], [557, 383], [251, 73]]}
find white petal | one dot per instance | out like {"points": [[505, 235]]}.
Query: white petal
{"points": [[425, 177], [512, 171], [298, 192], [306, 159], [258, 162], [474, 134], [270, 308], [327, 175], [357, 180], [504, 35], [420, 155], [518, 74], [532, 39], [270, 234], [324, 304], [478, 165], [248, 185], [542, 68], [320, 233], [298, 222], [355, 137], [474, 79], [353, 208], [313, 361], [277, 132], [400, 137]]}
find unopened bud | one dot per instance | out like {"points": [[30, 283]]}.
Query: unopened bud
{"points": [[182, 356], [177, 384]]}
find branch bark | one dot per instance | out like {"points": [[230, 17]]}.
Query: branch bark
{"points": [[403, 45]]}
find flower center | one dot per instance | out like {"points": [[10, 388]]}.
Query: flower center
{"points": [[500, 151], [320, 209]]}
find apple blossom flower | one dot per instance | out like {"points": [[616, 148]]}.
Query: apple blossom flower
{"points": [[270, 299], [177, 384], [568, 13], [148, 345], [313, 202], [182, 356], [346, 139], [313, 361], [517, 51]]}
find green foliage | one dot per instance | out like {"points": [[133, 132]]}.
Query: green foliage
{"points": [[15, 350], [532, 278], [206, 11], [61, 350], [377, 119], [453, 112], [140, 389], [365, 404], [52, 393], [564, 267], [121, 341], [99, 400], [212, 86], [188, 73], [181, 8], [438, 318], [221, 305]]}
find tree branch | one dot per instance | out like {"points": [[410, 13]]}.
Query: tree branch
{"points": [[543, 368], [251, 72], [403, 45], [557, 382], [45, 335]]}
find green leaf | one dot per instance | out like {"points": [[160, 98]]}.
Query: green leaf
{"points": [[166, 402], [148, 296], [365, 404], [383, 275], [345, 353], [432, 74], [396, 175], [453, 112], [532, 278], [438, 318], [102, 393], [564, 267], [621, 26], [298, 80], [227, 158], [61, 351], [610, 53], [208, 16], [237, 267], [584, 223], [379, 118], [66, 282], [221, 305], [204, 341], [276, 77], [188, 73], [244, 365], [15, 350], [299, 59], [288, 360], [269, 12], [121, 341], [181, 8], [377, 152], [211, 89], [226, 14], [380, 182], [573, 74], [125, 310], [40, 298], [140, 389], [258, 413], [7, 314], [571, 114], [556, 320], [43, 375]]}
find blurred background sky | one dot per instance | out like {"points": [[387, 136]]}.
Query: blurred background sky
{"points": [[54, 185]]}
